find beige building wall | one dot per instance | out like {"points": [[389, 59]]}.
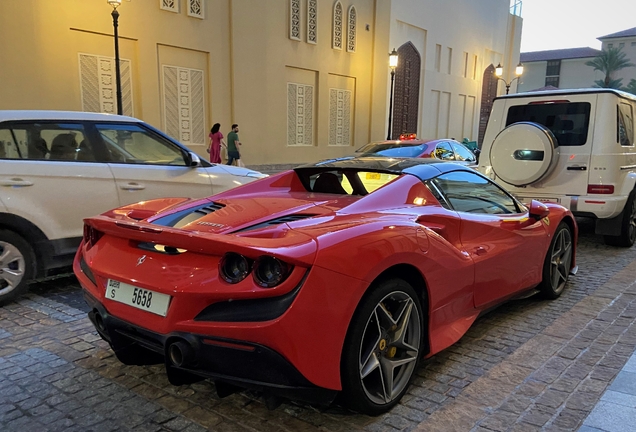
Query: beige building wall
{"points": [[628, 46], [246, 69], [458, 40]]}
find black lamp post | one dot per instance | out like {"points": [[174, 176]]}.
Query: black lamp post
{"points": [[499, 73], [115, 15], [393, 62]]}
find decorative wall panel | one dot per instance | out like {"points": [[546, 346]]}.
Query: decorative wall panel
{"points": [[312, 21], [300, 114], [169, 5], [339, 117], [294, 19], [337, 26], [351, 29], [184, 104], [195, 9], [99, 87]]}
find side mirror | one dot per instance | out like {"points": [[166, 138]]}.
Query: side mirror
{"points": [[538, 210], [193, 160]]}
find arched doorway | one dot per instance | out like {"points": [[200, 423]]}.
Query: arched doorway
{"points": [[406, 96], [488, 93]]}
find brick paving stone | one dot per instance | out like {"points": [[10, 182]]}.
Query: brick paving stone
{"points": [[517, 362]]}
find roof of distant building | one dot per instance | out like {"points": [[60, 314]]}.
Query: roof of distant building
{"points": [[621, 34], [559, 54]]}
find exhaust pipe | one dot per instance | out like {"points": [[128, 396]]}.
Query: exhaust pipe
{"points": [[99, 321], [180, 353]]}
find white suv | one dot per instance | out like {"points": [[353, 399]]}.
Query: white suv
{"points": [[575, 147], [57, 168]]}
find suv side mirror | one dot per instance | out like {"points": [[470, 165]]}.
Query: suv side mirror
{"points": [[193, 160], [538, 210]]}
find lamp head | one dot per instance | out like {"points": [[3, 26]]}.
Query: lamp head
{"points": [[114, 3], [519, 69], [393, 59], [499, 70]]}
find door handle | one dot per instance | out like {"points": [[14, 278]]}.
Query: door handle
{"points": [[16, 182], [577, 168], [133, 186]]}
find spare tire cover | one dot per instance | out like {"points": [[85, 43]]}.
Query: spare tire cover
{"points": [[524, 153]]}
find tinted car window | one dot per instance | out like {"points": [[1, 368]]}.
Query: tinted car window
{"points": [[403, 151], [471, 193], [444, 151], [45, 141], [133, 144], [463, 154], [625, 124], [568, 121]]}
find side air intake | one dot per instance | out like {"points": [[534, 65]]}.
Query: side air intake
{"points": [[188, 216], [277, 221]]}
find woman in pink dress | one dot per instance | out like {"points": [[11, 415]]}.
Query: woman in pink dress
{"points": [[216, 141]]}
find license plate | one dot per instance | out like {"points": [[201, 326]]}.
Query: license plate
{"points": [[373, 176], [140, 298]]}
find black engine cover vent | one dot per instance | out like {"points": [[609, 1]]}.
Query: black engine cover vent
{"points": [[187, 216], [277, 221]]}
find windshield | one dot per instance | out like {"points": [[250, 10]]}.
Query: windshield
{"points": [[393, 149]]}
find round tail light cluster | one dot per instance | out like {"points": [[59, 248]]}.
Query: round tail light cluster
{"points": [[267, 271], [270, 271], [234, 267]]}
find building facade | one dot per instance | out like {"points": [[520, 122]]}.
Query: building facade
{"points": [[566, 68], [304, 79]]}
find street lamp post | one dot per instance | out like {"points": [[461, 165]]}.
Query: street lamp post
{"points": [[499, 73], [115, 15], [393, 62]]}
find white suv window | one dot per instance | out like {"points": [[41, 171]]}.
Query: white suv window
{"points": [[134, 145], [568, 121], [625, 125], [42, 141]]}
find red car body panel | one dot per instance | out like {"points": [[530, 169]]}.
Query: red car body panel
{"points": [[346, 245]]}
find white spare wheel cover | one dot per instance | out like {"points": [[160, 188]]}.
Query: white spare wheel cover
{"points": [[524, 153]]}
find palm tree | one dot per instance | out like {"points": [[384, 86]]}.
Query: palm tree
{"points": [[631, 87], [608, 62]]}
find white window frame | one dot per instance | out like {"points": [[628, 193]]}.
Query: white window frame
{"points": [[202, 7], [336, 42], [352, 29], [294, 20], [312, 21], [164, 6]]}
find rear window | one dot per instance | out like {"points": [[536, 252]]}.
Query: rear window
{"points": [[349, 182], [568, 121]]}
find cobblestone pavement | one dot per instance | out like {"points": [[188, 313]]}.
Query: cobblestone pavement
{"points": [[528, 365]]}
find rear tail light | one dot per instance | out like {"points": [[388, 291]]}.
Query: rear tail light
{"points": [[233, 267], [600, 189], [270, 271], [267, 271], [91, 236]]}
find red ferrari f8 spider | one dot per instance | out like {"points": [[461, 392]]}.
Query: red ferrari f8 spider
{"points": [[336, 277]]}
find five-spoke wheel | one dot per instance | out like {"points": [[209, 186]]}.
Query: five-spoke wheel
{"points": [[383, 347], [556, 268]]}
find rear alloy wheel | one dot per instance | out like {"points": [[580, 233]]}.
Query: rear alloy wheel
{"points": [[16, 265], [382, 348], [558, 261], [628, 225]]}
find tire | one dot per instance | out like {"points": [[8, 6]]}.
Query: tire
{"points": [[17, 266], [557, 264], [377, 343], [628, 225]]}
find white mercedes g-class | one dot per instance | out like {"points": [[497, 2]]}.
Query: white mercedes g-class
{"points": [[574, 147]]}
